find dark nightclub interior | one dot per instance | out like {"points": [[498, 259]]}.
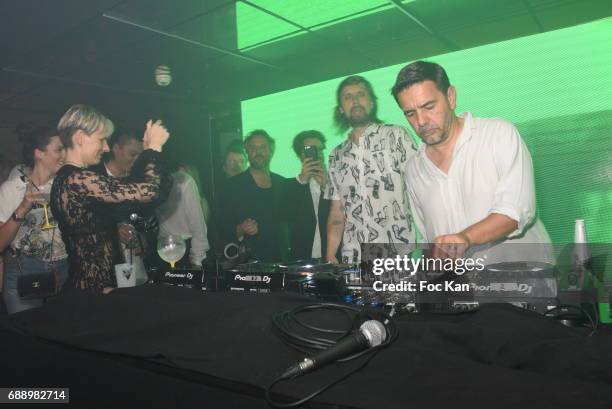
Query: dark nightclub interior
{"points": [[306, 203]]}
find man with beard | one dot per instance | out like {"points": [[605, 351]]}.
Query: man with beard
{"points": [[367, 176], [251, 202], [471, 181]]}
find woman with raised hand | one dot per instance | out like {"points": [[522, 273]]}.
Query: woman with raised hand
{"points": [[33, 249], [78, 193]]}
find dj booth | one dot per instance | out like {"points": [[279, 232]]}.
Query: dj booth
{"points": [[169, 346]]}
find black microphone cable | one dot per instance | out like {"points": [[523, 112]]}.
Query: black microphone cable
{"points": [[291, 329]]}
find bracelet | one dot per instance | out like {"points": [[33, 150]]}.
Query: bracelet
{"points": [[16, 218]]}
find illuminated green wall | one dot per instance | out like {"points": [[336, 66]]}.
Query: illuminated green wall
{"points": [[556, 87]]}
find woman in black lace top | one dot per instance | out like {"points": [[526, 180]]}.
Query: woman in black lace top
{"points": [[78, 193]]}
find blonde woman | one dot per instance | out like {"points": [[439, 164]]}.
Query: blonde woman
{"points": [[78, 193]]}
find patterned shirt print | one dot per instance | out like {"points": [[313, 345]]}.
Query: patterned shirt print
{"points": [[369, 178], [33, 238]]}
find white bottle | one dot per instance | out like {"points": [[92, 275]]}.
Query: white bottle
{"points": [[581, 252], [580, 256]]}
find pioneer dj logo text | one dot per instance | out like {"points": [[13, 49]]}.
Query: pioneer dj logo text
{"points": [[188, 276], [501, 287], [253, 278]]}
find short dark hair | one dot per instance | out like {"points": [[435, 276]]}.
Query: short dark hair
{"points": [[120, 137], [420, 71], [298, 141], [260, 132], [124, 135], [340, 119], [34, 138], [235, 146]]}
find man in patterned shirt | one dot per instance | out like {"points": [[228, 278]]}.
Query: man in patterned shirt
{"points": [[367, 189]]}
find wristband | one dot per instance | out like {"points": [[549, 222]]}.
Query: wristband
{"points": [[16, 218]]}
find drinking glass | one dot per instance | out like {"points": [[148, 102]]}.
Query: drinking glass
{"points": [[171, 248]]}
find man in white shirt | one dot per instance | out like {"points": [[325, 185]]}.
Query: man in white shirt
{"points": [[181, 214], [367, 180], [471, 181]]}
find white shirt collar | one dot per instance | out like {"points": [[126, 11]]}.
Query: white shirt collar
{"points": [[464, 136], [349, 141]]}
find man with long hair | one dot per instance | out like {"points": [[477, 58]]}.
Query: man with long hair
{"points": [[367, 181]]}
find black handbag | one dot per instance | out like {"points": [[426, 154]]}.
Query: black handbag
{"points": [[39, 285]]}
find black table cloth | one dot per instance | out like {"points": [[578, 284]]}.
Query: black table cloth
{"points": [[498, 357]]}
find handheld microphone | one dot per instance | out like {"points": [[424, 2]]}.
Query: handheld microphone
{"points": [[371, 334]]}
